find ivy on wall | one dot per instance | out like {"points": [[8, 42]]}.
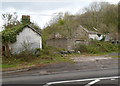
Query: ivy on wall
{"points": [[9, 35]]}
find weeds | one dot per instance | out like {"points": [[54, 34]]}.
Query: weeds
{"points": [[97, 47], [44, 56], [51, 55]]}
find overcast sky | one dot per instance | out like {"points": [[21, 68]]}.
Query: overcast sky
{"points": [[41, 11]]}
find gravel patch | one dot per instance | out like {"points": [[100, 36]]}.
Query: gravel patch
{"points": [[89, 58]]}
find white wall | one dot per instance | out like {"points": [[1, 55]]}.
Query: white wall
{"points": [[29, 37], [95, 36]]}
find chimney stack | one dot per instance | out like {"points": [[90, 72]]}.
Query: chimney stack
{"points": [[25, 19]]}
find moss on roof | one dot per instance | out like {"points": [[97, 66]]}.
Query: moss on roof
{"points": [[9, 35]]}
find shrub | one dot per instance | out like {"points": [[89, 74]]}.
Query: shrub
{"points": [[25, 56], [97, 47], [82, 48], [92, 49], [47, 52]]}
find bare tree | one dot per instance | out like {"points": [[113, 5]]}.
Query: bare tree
{"points": [[10, 19]]}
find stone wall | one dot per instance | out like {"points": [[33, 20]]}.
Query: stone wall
{"points": [[58, 43]]}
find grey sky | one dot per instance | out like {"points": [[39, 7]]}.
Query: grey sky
{"points": [[39, 10], [33, 6], [41, 6]]}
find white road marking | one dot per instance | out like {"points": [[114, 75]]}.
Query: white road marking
{"points": [[93, 82], [112, 79], [58, 82]]}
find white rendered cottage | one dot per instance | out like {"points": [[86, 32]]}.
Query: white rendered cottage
{"points": [[28, 38]]}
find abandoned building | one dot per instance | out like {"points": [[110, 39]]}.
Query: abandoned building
{"points": [[29, 38], [80, 35], [21, 37]]}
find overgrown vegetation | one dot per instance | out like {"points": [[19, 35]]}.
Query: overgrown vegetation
{"points": [[97, 47], [25, 19], [9, 35], [51, 55], [39, 57], [101, 15]]}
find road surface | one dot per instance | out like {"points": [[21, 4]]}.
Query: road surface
{"points": [[79, 77]]}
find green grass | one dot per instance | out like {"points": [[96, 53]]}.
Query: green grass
{"points": [[115, 56], [0, 65], [7, 66], [18, 63]]}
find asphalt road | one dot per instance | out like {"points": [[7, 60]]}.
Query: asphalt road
{"points": [[96, 82], [46, 80]]}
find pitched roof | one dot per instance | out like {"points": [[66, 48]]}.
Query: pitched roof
{"points": [[38, 32], [9, 35], [90, 32]]}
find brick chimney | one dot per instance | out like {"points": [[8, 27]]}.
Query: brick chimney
{"points": [[25, 19]]}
